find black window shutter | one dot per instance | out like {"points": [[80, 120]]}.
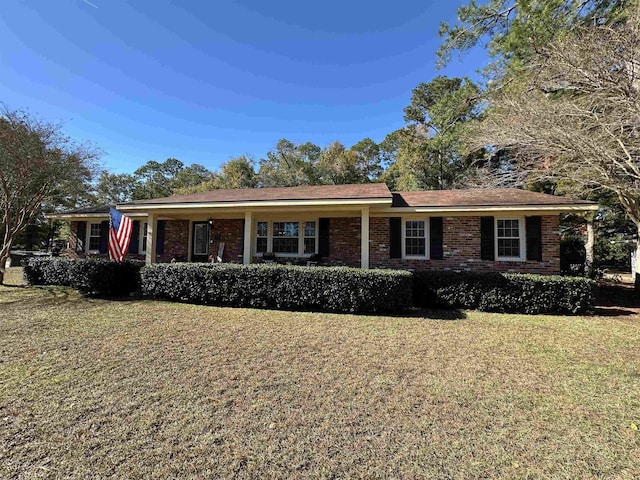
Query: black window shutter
{"points": [[534, 238], [104, 236], [487, 239], [436, 238], [135, 236], [81, 236], [323, 237], [395, 237], [160, 227]]}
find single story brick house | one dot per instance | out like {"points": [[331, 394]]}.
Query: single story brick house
{"points": [[367, 226]]}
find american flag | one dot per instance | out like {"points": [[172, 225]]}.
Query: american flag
{"points": [[119, 235]]}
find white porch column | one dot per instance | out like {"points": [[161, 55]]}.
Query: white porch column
{"points": [[151, 238], [364, 238], [248, 224], [591, 240]]}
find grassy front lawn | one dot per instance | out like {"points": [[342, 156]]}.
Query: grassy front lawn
{"points": [[140, 389]]}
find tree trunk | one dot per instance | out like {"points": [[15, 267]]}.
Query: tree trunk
{"points": [[5, 253], [591, 240], [3, 261], [637, 265]]}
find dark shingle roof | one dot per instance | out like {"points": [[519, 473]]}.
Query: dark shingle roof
{"points": [[98, 210], [317, 192], [479, 198]]}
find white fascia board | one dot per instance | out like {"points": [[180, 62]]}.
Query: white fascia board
{"points": [[71, 216], [258, 204], [68, 216], [490, 209]]}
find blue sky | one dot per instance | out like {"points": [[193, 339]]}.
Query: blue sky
{"points": [[203, 81]]}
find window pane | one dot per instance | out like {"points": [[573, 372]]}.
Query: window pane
{"points": [[309, 229], [261, 245], [415, 241], [508, 238], [285, 229], [144, 237], [508, 229], [94, 236], [200, 239], [415, 246], [262, 229], [94, 243], [509, 247], [285, 245], [309, 245]]}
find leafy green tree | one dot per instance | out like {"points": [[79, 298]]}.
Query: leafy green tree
{"points": [[40, 168], [190, 176], [115, 188], [238, 172], [289, 165], [156, 180], [339, 166], [370, 161], [429, 153], [515, 30]]}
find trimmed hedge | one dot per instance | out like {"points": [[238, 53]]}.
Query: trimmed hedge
{"points": [[496, 292], [334, 289], [93, 277]]}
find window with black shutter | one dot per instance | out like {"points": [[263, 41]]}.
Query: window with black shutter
{"points": [[534, 238], [487, 238], [436, 238], [395, 237], [323, 237], [135, 237]]}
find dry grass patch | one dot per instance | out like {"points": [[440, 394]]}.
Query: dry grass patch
{"points": [[150, 389]]}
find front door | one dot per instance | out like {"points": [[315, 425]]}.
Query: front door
{"points": [[200, 247]]}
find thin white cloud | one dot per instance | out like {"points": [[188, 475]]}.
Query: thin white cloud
{"points": [[89, 3]]}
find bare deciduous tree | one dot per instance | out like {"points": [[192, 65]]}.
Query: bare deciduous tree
{"points": [[574, 119]]}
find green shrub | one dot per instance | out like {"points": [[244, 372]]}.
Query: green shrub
{"points": [[335, 289], [47, 271], [94, 277], [496, 292]]}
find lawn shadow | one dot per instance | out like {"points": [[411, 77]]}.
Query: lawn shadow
{"points": [[613, 312], [432, 314], [617, 300], [426, 313]]}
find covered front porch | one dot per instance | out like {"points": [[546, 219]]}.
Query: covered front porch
{"points": [[339, 235]]}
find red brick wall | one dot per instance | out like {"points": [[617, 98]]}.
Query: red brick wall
{"points": [[461, 245], [176, 241], [344, 242], [229, 232], [462, 248]]}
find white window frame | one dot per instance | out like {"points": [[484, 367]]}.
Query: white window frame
{"points": [[521, 237], [207, 245], [255, 240], [427, 251], [89, 237], [301, 236], [142, 243]]}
